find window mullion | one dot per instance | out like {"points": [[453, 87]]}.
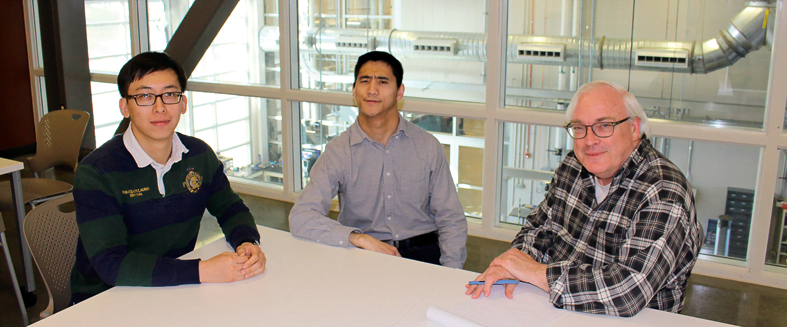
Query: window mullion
{"points": [[138, 19]]}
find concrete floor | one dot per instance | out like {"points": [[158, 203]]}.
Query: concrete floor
{"points": [[708, 298]]}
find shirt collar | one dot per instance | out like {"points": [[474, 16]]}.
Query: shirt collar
{"points": [[636, 156], [357, 135], [142, 158]]}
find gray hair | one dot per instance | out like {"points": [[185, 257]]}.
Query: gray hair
{"points": [[633, 108]]}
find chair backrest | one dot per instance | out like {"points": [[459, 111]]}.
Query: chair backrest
{"points": [[58, 139], [52, 236]]}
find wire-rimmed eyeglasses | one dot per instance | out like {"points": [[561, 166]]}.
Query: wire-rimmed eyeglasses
{"points": [[149, 99], [602, 129]]}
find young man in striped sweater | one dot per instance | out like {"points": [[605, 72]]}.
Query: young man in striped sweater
{"points": [[140, 197]]}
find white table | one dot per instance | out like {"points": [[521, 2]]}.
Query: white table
{"points": [[14, 168], [529, 307], [309, 284], [305, 284]]}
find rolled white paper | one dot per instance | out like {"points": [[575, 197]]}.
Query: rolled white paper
{"points": [[449, 319]]}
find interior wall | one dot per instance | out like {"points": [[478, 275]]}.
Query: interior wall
{"points": [[17, 126]]}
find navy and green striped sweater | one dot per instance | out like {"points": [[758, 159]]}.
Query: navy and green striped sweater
{"points": [[131, 235]]}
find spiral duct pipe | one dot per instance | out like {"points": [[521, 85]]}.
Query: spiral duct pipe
{"points": [[748, 31]]}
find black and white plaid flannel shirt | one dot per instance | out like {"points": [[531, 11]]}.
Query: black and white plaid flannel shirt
{"points": [[634, 250]]}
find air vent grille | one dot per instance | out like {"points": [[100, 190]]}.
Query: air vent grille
{"points": [[356, 42], [678, 58], [435, 46], [541, 52]]}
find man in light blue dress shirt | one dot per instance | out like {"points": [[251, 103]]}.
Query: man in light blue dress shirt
{"points": [[395, 190]]}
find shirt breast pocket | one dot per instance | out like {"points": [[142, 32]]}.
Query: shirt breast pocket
{"points": [[612, 230], [413, 183]]}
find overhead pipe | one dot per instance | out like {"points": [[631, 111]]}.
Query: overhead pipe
{"points": [[748, 31]]}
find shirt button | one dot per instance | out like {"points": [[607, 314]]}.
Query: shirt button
{"points": [[397, 235], [389, 218], [341, 242], [389, 196], [386, 151], [387, 174], [397, 136]]}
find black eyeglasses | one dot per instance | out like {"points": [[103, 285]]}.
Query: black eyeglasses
{"points": [[602, 129], [149, 99]]}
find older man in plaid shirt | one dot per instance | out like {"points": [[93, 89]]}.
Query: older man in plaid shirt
{"points": [[617, 231]]}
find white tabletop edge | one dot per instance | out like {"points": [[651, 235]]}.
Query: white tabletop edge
{"points": [[9, 166]]}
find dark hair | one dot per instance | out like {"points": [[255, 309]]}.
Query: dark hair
{"points": [[385, 57], [146, 63]]}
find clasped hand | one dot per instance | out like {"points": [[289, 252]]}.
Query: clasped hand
{"points": [[247, 261], [512, 264]]}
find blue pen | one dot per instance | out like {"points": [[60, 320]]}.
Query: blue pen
{"points": [[499, 282]]}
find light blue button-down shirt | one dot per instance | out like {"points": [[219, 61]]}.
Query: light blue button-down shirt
{"points": [[391, 192]]}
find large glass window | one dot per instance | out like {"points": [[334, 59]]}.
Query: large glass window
{"points": [[238, 54], [34, 42], [724, 205], [531, 153], [462, 139], [776, 254], [440, 43], [108, 34], [667, 53], [245, 132], [246, 50], [164, 17], [109, 48], [106, 110], [690, 64], [40, 87]]}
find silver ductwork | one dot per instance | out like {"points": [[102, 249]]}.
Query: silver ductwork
{"points": [[748, 31]]}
